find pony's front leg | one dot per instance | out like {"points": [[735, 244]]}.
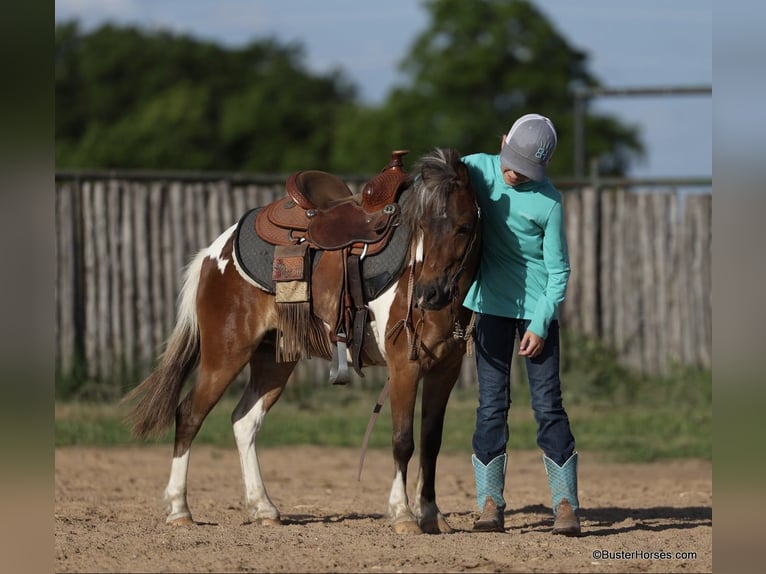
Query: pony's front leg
{"points": [[266, 384], [402, 518], [403, 395], [437, 387], [430, 518]]}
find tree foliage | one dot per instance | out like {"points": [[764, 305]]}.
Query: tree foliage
{"points": [[476, 68], [127, 98], [131, 98]]}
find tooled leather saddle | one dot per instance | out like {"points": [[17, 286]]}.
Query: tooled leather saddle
{"points": [[319, 215]]}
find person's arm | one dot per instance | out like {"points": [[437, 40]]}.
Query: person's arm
{"points": [[556, 258]]}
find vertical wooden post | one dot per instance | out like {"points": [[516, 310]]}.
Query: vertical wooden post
{"points": [[589, 310], [143, 304], [114, 317], [65, 280], [571, 313], [606, 277]]}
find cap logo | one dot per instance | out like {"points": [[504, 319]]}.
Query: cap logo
{"points": [[543, 151]]}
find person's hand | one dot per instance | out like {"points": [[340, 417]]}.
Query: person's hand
{"points": [[531, 345]]}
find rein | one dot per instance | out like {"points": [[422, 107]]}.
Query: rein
{"points": [[458, 332], [406, 322]]}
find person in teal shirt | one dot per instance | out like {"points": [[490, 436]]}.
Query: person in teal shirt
{"points": [[521, 281]]}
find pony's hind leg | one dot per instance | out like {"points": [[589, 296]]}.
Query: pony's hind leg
{"points": [[267, 380], [216, 373]]}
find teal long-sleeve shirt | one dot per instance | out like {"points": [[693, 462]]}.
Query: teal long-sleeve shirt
{"points": [[524, 265]]}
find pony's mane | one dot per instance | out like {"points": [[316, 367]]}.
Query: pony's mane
{"points": [[435, 175]]}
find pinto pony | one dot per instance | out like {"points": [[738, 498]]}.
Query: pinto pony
{"points": [[226, 322]]}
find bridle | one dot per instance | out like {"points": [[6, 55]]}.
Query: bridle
{"points": [[458, 331]]}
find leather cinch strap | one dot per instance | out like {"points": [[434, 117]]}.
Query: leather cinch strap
{"points": [[359, 313]]}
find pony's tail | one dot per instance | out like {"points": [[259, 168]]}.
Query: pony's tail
{"points": [[158, 394]]}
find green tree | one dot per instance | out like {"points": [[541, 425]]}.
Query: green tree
{"points": [[127, 98], [476, 68], [131, 98]]}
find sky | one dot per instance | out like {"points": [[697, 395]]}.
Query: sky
{"points": [[652, 43]]}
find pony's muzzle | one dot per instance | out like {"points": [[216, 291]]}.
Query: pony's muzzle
{"points": [[431, 296]]}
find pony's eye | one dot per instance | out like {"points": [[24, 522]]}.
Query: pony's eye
{"points": [[465, 229]]}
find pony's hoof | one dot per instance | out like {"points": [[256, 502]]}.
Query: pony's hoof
{"points": [[437, 526], [407, 527], [267, 521], [184, 520]]}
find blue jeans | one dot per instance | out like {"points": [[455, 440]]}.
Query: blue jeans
{"points": [[494, 339]]}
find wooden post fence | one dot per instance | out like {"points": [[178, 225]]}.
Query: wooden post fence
{"points": [[641, 267]]}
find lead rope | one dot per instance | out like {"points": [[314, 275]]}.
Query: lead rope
{"points": [[373, 417], [468, 336]]}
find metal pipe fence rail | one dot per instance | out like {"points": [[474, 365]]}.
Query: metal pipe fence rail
{"points": [[641, 267]]}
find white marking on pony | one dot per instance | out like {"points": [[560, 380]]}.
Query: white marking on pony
{"points": [[246, 427], [381, 307], [425, 512], [216, 248], [398, 506], [419, 248], [418, 493], [175, 492]]}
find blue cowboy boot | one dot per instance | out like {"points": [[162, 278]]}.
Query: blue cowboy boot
{"points": [[563, 483], [490, 481]]}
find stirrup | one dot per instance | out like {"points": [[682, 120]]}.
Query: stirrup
{"points": [[339, 365]]}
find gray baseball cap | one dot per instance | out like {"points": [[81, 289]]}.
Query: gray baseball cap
{"points": [[529, 146]]}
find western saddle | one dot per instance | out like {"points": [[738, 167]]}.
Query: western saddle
{"points": [[320, 213]]}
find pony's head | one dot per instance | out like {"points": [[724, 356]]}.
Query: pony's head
{"points": [[442, 213]]}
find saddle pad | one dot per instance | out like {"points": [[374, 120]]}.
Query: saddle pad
{"points": [[381, 270], [254, 255], [256, 258]]}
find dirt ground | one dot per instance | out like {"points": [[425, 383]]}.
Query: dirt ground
{"points": [[109, 518]]}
